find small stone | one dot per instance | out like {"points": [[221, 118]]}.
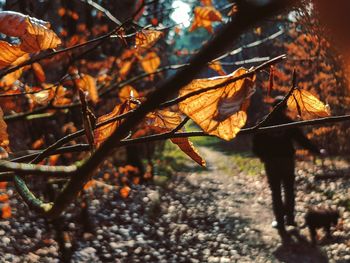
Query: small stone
{"points": [[5, 240], [138, 250]]}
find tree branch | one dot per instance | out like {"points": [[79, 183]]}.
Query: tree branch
{"points": [[248, 15]]}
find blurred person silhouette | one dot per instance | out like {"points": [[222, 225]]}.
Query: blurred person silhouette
{"points": [[276, 150]]}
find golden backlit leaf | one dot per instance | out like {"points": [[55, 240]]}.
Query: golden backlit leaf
{"points": [[150, 62], [220, 111], [34, 33], [125, 67], [204, 17], [307, 105], [88, 83], [147, 38], [38, 37], [103, 132], [42, 97], [127, 92], [187, 147], [4, 138], [10, 55], [216, 66], [39, 72], [10, 78], [166, 120], [60, 94]]}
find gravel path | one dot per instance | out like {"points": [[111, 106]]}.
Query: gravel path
{"points": [[216, 215]]}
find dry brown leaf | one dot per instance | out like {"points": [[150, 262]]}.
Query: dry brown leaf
{"points": [[60, 94], [216, 66], [165, 120], [40, 97], [221, 111], [204, 17], [187, 147], [11, 55], [127, 92], [4, 138], [307, 105], [88, 83], [103, 132], [150, 62], [125, 67], [10, 78], [39, 72], [35, 34], [147, 38]]}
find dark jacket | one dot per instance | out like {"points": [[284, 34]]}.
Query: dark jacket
{"points": [[279, 143]]}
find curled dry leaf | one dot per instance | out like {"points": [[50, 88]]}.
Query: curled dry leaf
{"points": [[60, 93], [11, 55], [147, 38], [88, 83], [204, 17], [35, 34], [187, 147], [150, 62], [307, 105], [39, 72], [4, 138], [103, 132], [165, 120], [220, 111], [41, 97], [216, 66], [9, 79], [125, 67], [127, 92]]}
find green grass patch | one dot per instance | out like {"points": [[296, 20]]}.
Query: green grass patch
{"points": [[247, 163], [170, 159]]}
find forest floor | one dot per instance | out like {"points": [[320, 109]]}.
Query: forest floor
{"points": [[219, 214]]}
